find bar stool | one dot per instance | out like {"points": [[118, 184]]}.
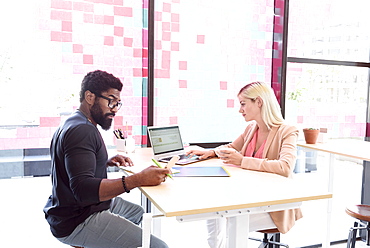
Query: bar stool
{"points": [[360, 213], [271, 239]]}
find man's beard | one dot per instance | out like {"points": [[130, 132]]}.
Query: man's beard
{"points": [[100, 118]]}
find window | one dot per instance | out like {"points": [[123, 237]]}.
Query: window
{"points": [[327, 85], [328, 65], [201, 62], [205, 51], [46, 49]]}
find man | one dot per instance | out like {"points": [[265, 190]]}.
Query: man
{"points": [[83, 209]]}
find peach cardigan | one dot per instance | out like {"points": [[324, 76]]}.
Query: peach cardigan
{"points": [[279, 157]]}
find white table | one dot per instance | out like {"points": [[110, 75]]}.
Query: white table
{"points": [[351, 148], [236, 197]]}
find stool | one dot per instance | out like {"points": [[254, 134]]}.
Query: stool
{"points": [[361, 213], [271, 239]]}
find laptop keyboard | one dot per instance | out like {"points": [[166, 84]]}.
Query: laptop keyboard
{"points": [[182, 157]]}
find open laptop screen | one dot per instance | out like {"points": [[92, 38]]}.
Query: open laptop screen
{"points": [[165, 139]]}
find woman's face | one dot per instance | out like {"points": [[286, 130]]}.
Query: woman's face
{"points": [[249, 108]]}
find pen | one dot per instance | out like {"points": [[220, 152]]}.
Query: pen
{"points": [[157, 164], [124, 169], [121, 134], [116, 134], [125, 132]]}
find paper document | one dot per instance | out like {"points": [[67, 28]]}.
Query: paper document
{"points": [[185, 171]]}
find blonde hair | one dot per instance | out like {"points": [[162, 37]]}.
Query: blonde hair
{"points": [[270, 111]]}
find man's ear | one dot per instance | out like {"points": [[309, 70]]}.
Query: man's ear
{"points": [[89, 97]]}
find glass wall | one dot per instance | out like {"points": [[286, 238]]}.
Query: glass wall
{"points": [[327, 85], [341, 89], [327, 29], [328, 65], [46, 48], [205, 51]]}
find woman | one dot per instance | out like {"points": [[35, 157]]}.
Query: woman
{"points": [[267, 145]]}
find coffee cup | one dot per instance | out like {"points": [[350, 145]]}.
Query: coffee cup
{"points": [[227, 150]]}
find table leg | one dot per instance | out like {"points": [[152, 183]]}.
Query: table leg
{"points": [[326, 242], [150, 208], [331, 172], [157, 222], [146, 227], [237, 231], [145, 203]]}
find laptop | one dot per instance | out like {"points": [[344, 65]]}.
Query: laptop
{"points": [[166, 142]]}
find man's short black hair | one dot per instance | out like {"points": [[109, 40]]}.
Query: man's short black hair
{"points": [[98, 82]]}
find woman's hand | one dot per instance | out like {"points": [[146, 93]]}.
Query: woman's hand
{"points": [[230, 156], [203, 154], [120, 160]]}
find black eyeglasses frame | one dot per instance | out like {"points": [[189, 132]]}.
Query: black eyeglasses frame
{"points": [[110, 101]]}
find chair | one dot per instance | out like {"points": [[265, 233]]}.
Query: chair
{"points": [[360, 213], [271, 239]]}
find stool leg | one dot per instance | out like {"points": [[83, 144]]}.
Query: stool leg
{"points": [[368, 234], [277, 239], [349, 240], [266, 238], [271, 238], [352, 236], [264, 243]]}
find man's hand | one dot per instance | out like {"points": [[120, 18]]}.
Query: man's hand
{"points": [[150, 176], [120, 160]]}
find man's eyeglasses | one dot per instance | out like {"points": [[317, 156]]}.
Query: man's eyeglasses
{"points": [[112, 103]]}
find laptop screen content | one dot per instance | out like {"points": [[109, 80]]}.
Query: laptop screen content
{"points": [[165, 139]]}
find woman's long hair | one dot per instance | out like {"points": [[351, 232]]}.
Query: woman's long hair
{"points": [[270, 111]]}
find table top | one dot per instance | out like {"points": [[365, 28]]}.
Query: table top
{"points": [[358, 149], [243, 189]]}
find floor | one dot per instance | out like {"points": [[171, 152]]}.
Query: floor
{"points": [[23, 224]]}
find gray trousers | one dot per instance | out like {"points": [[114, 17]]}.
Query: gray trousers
{"points": [[115, 228]]}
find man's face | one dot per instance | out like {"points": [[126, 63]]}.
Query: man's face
{"points": [[101, 112]]}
